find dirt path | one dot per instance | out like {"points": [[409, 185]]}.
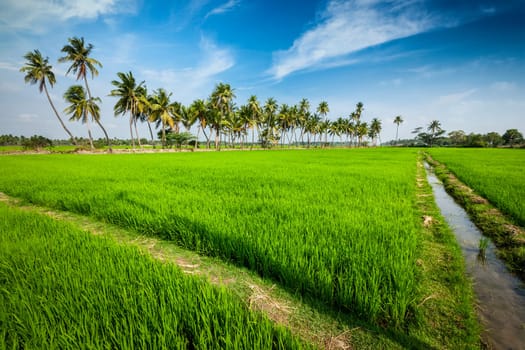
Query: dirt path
{"points": [[315, 325]]}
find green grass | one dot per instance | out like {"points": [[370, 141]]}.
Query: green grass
{"points": [[7, 149], [339, 229], [496, 174], [64, 288], [336, 225]]}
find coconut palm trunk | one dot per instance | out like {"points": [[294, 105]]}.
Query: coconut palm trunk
{"points": [[110, 150], [58, 116], [151, 134], [89, 134]]}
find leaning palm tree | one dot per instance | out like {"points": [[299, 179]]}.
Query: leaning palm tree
{"points": [[78, 54], [81, 108], [398, 120], [129, 94], [143, 109], [39, 71]]}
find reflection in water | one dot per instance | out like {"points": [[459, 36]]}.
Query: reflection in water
{"points": [[501, 296]]}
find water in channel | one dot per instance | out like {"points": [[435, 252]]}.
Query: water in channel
{"points": [[500, 295]]}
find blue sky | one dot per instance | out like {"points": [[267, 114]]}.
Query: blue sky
{"points": [[460, 62]]}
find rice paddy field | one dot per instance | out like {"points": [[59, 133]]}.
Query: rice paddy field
{"points": [[67, 289], [341, 227], [496, 174]]}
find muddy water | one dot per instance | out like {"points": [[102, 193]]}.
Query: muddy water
{"points": [[500, 295]]}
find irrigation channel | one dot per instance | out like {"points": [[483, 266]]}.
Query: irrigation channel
{"points": [[500, 295]]}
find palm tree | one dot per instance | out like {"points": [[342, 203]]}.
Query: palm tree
{"points": [[162, 111], [39, 71], [129, 94], [358, 111], [303, 115], [78, 54], [80, 108], [200, 111], [270, 120], [435, 130], [222, 102], [143, 109], [375, 130], [398, 120], [323, 109], [187, 118], [361, 131], [254, 109]]}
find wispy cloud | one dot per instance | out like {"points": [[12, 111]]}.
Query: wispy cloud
{"points": [[35, 15], [27, 117], [228, 6], [188, 82], [346, 27], [455, 98], [503, 86], [9, 66]]}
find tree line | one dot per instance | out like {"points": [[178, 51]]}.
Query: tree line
{"points": [[218, 118], [434, 135]]}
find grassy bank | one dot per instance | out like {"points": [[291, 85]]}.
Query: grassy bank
{"points": [[508, 237]]}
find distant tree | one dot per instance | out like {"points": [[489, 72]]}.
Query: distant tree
{"points": [[270, 133], [493, 139], [199, 109], [475, 140], [375, 130], [398, 120], [362, 131], [512, 137], [178, 139], [323, 109], [303, 114], [255, 113], [221, 102], [457, 137], [36, 142], [38, 71], [435, 131]]}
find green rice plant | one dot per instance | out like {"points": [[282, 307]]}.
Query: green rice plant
{"points": [[483, 245], [67, 289], [336, 225], [496, 174]]}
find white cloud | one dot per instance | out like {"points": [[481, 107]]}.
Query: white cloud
{"points": [[228, 6], [186, 83], [9, 66], [37, 15], [346, 27]]}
